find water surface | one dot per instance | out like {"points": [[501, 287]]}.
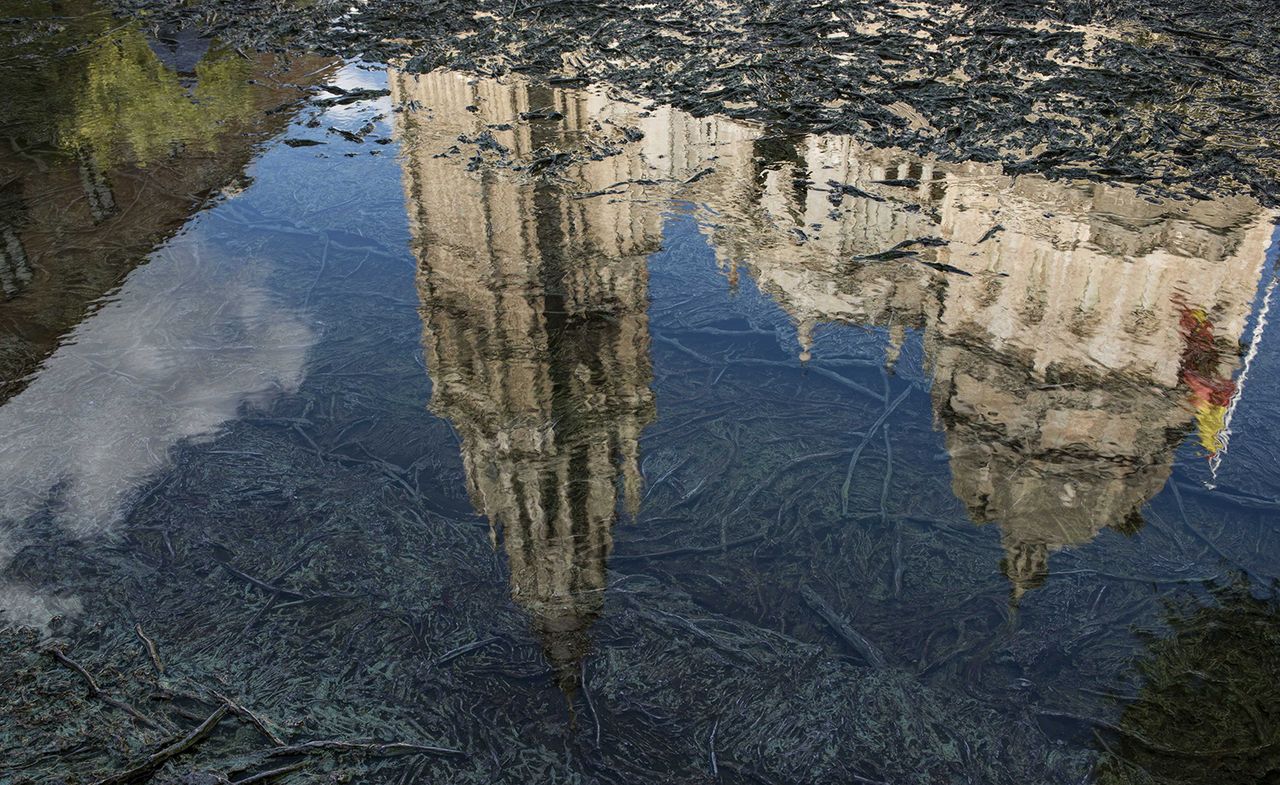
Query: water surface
{"points": [[596, 442]]}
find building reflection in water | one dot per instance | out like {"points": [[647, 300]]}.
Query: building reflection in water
{"points": [[536, 336], [112, 146], [1073, 332]]}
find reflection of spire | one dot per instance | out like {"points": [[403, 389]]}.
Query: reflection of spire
{"points": [[804, 335], [536, 337], [893, 347], [1026, 565]]}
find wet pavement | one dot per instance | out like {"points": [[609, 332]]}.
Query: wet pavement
{"points": [[365, 425]]}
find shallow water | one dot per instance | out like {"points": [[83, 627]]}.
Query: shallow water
{"points": [[599, 442]]}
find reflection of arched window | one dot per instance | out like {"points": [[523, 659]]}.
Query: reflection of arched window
{"points": [[15, 267], [102, 202]]}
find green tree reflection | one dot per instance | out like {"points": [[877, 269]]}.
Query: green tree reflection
{"points": [[131, 107]]}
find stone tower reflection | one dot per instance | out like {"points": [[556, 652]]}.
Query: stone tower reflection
{"points": [[1074, 332], [536, 337]]}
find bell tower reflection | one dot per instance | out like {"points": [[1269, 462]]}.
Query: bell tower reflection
{"points": [[536, 337], [1059, 367]]}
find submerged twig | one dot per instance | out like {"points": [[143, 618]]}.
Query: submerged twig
{"points": [[699, 356], [1210, 544], [251, 718], [692, 549], [270, 774], [97, 692], [461, 650], [857, 453], [711, 749], [896, 551], [816, 369], [861, 645], [367, 747], [152, 651], [586, 693], [158, 759], [278, 591]]}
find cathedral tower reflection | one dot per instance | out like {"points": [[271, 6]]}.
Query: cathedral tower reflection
{"points": [[1073, 332], [536, 338]]}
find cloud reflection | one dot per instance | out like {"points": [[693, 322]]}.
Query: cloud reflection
{"points": [[189, 341]]}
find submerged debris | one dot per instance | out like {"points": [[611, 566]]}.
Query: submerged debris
{"points": [[336, 582]]}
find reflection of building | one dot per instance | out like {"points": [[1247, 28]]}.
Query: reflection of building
{"points": [[110, 152], [1072, 330], [536, 335]]}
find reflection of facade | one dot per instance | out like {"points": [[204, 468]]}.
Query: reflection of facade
{"points": [[1062, 361], [111, 152], [1073, 331], [536, 337]]}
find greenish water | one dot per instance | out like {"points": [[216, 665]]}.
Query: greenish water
{"points": [[581, 440]]}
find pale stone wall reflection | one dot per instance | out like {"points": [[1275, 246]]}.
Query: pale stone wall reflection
{"points": [[1054, 319], [1074, 332], [536, 335]]}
